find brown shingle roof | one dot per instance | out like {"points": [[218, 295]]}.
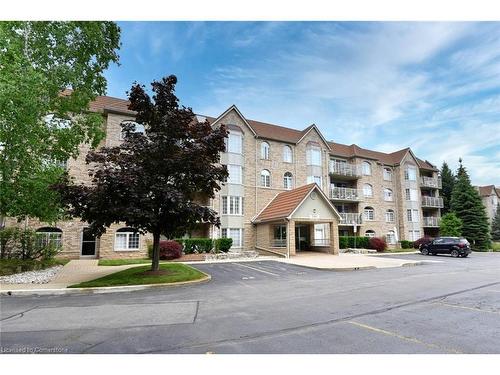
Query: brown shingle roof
{"points": [[486, 191], [284, 203]]}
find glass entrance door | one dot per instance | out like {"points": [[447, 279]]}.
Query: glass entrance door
{"points": [[88, 243], [302, 237]]}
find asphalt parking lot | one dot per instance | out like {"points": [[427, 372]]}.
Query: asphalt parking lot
{"points": [[449, 305]]}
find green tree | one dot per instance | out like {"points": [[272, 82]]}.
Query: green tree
{"points": [[448, 182], [467, 205], [450, 225], [495, 225], [155, 182], [42, 123]]}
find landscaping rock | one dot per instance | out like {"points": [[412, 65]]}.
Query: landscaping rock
{"points": [[32, 277], [232, 255], [358, 251]]}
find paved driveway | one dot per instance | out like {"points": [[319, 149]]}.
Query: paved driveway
{"points": [[269, 307]]}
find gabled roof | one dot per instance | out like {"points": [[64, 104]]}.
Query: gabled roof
{"points": [[284, 204], [488, 190]]}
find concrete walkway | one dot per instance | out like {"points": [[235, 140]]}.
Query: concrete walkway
{"points": [[346, 262]]}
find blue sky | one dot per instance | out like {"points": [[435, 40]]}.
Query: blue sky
{"points": [[434, 87]]}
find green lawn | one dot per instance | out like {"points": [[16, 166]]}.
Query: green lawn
{"points": [[134, 276], [122, 262], [495, 246]]}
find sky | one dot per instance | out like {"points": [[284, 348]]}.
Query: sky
{"points": [[434, 87]]}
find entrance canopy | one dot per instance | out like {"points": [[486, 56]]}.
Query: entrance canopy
{"points": [[298, 219]]}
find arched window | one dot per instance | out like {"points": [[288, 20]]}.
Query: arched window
{"points": [[265, 178], [391, 237], [387, 174], [370, 233], [126, 239], [367, 190], [264, 150], [288, 181], [287, 154], [49, 236], [388, 196], [369, 213], [389, 216], [367, 168]]}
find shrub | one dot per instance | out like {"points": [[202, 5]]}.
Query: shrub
{"points": [[197, 245], [223, 244], [378, 244], [170, 250], [17, 243], [343, 242], [406, 244], [450, 225], [421, 241], [353, 241]]}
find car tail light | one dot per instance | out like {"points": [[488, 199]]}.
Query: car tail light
{"points": [[461, 245]]}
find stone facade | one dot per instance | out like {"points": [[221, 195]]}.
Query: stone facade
{"points": [[256, 197]]}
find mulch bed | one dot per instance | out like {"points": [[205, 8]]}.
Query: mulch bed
{"points": [[190, 258]]}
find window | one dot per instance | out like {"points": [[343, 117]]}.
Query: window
{"points": [[265, 178], [391, 237], [235, 233], [287, 154], [411, 195], [317, 179], [369, 213], [414, 235], [232, 205], [410, 173], [279, 236], [288, 181], [389, 216], [388, 195], [412, 215], [370, 233], [367, 190], [234, 174], [313, 155], [367, 168], [49, 236], [234, 142], [264, 150], [126, 239], [387, 174], [138, 128]]}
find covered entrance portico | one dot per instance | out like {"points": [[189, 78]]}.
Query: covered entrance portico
{"points": [[298, 220]]}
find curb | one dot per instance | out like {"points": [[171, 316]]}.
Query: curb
{"points": [[101, 290], [394, 254]]}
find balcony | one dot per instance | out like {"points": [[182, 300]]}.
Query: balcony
{"points": [[431, 221], [431, 182], [348, 218], [432, 202], [345, 194], [344, 170]]}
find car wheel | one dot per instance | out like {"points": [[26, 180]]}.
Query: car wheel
{"points": [[424, 252], [454, 253]]}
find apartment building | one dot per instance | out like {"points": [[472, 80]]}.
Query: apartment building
{"points": [[490, 195], [288, 190]]}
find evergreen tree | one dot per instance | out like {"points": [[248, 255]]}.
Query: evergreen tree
{"points": [[450, 225], [467, 205], [448, 181], [495, 225]]}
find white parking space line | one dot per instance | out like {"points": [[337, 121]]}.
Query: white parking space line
{"points": [[466, 307], [401, 337], [256, 269]]}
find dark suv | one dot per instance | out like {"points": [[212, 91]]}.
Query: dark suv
{"points": [[455, 246]]}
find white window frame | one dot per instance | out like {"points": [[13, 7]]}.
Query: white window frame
{"points": [[367, 168], [232, 205], [370, 233], [127, 241], [230, 231], [411, 195], [265, 178], [387, 174], [139, 128], [390, 216], [410, 176], [265, 150], [370, 195], [414, 234], [47, 238], [287, 154], [238, 181], [388, 195], [288, 181], [234, 143], [369, 213], [391, 237], [313, 154]]}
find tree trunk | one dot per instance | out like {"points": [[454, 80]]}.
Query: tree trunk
{"points": [[155, 263]]}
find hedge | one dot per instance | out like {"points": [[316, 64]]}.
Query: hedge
{"points": [[348, 242], [406, 244], [223, 244]]}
